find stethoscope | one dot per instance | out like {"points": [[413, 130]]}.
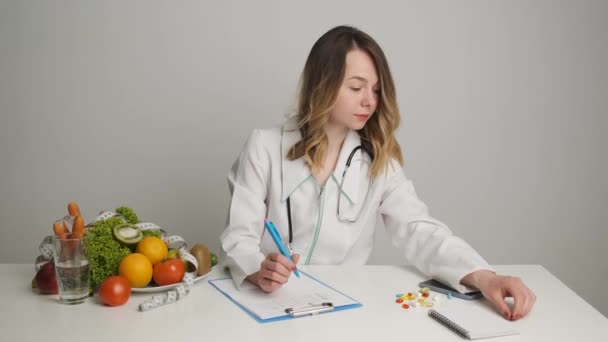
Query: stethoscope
{"points": [[340, 217]]}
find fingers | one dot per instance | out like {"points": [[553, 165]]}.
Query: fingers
{"points": [[520, 300], [498, 299], [524, 299], [283, 261], [296, 258], [275, 271], [504, 286], [276, 265], [272, 274], [268, 285], [531, 302]]}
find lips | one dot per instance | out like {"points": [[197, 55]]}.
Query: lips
{"points": [[362, 116]]}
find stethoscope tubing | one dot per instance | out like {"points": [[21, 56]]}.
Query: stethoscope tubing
{"points": [[348, 161]]}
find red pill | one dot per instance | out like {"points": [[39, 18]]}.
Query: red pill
{"points": [[398, 300], [405, 306], [425, 295]]}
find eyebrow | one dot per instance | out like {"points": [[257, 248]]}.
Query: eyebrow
{"points": [[359, 78]]}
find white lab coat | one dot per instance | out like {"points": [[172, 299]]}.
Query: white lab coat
{"points": [[262, 178]]}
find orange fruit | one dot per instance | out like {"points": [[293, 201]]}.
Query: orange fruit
{"points": [[137, 269], [155, 249]]}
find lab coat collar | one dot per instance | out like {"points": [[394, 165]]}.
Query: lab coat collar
{"points": [[296, 172]]}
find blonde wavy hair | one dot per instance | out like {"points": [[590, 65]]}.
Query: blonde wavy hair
{"points": [[319, 85]]}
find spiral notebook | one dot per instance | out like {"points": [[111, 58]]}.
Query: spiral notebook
{"points": [[473, 322]]}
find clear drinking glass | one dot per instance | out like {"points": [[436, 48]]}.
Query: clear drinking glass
{"points": [[72, 269]]}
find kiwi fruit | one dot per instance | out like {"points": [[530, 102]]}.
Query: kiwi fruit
{"points": [[203, 256], [128, 234]]}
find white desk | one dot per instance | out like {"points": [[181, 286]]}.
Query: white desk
{"points": [[206, 315]]}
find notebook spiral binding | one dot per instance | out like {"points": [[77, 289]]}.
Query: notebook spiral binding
{"points": [[448, 323]]}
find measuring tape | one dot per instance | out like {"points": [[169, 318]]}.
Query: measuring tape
{"points": [[46, 250], [171, 296]]}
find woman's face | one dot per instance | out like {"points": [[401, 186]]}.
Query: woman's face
{"points": [[358, 95]]}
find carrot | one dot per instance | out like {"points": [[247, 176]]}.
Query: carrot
{"points": [[73, 209], [65, 227], [58, 228], [78, 225], [78, 235], [64, 236], [68, 244]]}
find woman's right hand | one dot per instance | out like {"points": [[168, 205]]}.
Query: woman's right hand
{"points": [[275, 272]]}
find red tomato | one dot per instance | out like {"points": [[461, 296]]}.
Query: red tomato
{"points": [[115, 291], [169, 272]]}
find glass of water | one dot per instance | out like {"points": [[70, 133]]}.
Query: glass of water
{"points": [[72, 269]]}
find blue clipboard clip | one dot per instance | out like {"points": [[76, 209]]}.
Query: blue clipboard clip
{"points": [[310, 310]]}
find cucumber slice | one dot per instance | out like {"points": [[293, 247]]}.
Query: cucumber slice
{"points": [[127, 234]]}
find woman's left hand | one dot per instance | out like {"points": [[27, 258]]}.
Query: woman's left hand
{"points": [[497, 287]]}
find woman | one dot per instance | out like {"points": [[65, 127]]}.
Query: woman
{"points": [[293, 176]]}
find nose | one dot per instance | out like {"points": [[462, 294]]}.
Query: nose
{"points": [[369, 99]]}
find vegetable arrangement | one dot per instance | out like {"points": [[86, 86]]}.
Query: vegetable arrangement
{"points": [[124, 253], [104, 250]]}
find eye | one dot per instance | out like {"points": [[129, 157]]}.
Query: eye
{"points": [[355, 89], [377, 91]]}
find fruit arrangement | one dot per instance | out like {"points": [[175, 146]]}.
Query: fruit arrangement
{"points": [[123, 253]]}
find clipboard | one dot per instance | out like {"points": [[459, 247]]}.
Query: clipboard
{"points": [[300, 297]]}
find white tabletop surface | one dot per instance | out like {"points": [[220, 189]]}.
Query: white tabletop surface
{"points": [[206, 315]]}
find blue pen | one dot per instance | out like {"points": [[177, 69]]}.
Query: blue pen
{"points": [[272, 230]]}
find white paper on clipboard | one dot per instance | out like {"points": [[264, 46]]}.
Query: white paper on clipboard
{"points": [[302, 292]]}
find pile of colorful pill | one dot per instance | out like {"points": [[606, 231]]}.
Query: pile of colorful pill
{"points": [[420, 298]]}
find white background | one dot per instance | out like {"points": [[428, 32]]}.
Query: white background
{"points": [[148, 103]]}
